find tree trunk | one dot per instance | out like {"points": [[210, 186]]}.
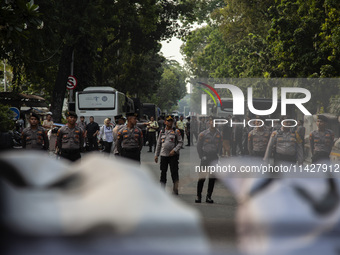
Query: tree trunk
{"points": [[59, 90]]}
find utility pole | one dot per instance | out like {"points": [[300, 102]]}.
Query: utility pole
{"points": [[5, 81], [70, 100]]}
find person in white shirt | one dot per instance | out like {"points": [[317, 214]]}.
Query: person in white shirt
{"points": [[48, 122], [106, 134]]}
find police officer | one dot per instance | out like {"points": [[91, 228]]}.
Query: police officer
{"points": [[70, 138], [208, 146], [180, 125], [285, 145], [258, 139], [120, 121], [169, 143], [130, 139], [34, 137], [152, 127], [321, 141]]}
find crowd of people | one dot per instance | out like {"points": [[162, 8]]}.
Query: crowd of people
{"points": [[166, 137]]}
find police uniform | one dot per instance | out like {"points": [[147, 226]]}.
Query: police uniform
{"points": [[208, 146], [130, 142], [321, 143], [286, 147], [245, 132], [70, 141], [258, 141], [168, 140], [115, 134], [35, 139], [152, 129], [181, 126]]}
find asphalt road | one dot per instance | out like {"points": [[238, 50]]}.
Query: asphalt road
{"points": [[218, 218]]}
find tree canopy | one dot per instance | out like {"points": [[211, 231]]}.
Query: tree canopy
{"points": [[114, 43], [269, 39]]}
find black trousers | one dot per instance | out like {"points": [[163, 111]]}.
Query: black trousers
{"points": [[70, 154], [236, 145], [195, 134], [285, 160], [259, 153], [107, 147], [92, 140], [211, 183], [152, 140], [182, 134], [173, 162], [321, 157], [133, 154]]}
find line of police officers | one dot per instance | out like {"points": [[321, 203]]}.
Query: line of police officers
{"points": [[283, 144]]}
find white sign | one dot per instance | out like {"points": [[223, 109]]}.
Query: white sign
{"points": [[96, 101], [71, 82]]}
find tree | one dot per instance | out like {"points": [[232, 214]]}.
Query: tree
{"points": [[6, 118], [18, 21], [115, 43], [172, 86]]}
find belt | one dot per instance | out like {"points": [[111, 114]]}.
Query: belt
{"points": [[259, 153], [70, 151], [285, 157], [130, 149]]}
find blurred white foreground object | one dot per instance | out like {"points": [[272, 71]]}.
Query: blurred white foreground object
{"points": [[290, 216], [96, 206]]}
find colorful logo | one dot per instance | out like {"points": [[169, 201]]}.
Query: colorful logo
{"points": [[209, 93]]}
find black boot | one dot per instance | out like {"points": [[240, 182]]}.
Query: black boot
{"points": [[175, 188], [200, 184], [209, 200]]}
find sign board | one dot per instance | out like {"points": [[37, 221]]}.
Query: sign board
{"points": [[71, 82], [16, 113], [96, 101]]}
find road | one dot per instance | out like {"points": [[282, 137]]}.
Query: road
{"points": [[217, 218]]}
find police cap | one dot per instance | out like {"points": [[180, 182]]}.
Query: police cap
{"points": [[169, 118], [71, 113], [131, 114], [259, 117], [323, 118], [211, 117], [117, 117], [33, 114]]}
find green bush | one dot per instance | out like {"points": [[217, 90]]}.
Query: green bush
{"points": [[6, 118]]}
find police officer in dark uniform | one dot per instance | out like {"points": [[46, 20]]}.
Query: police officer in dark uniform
{"points": [[285, 145], [168, 146], [130, 139], [258, 139], [209, 144], [34, 137], [321, 141], [70, 138]]}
